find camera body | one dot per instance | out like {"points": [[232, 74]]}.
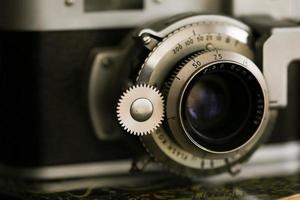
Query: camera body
{"points": [[62, 83]]}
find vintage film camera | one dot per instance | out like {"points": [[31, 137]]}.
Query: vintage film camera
{"points": [[96, 89]]}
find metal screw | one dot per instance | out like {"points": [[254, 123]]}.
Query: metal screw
{"points": [[147, 39], [106, 62], [210, 46], [70, 2]]}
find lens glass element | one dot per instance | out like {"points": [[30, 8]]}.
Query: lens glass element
{"points": [[222, 107]]}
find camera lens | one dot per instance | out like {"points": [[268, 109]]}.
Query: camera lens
{"points": [[221, 107]]}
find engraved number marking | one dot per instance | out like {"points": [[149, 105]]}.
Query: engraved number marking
{"points": [[196, 64], [189, 42], [218, 56], [177, 48]]}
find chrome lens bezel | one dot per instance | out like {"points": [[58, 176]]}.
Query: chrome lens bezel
{"points": [[179, 86]]}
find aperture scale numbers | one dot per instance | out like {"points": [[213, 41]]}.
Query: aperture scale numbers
{"points": [[205, 40]]}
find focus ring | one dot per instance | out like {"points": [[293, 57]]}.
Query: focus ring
{"points": [[179, 85]]}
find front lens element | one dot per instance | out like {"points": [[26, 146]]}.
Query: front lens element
{"points": [[222, 107]]}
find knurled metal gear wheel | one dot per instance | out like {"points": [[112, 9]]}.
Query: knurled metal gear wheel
{"points": [[140, 109]]}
